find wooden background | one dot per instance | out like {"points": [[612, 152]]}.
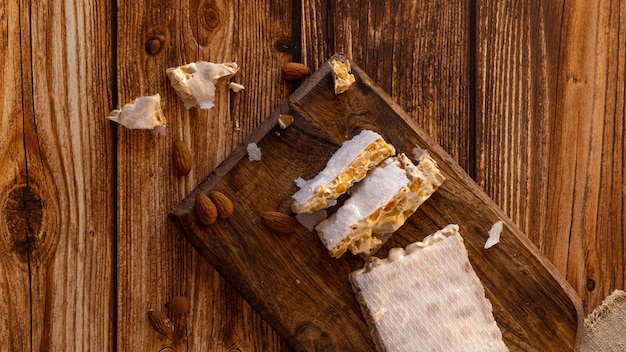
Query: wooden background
{"points": [[528, 96]]}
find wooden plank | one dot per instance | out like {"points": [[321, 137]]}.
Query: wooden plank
{"points": [[417, 51], [15, 326], [304, 292], [517, 63], [587, 152], [606, 261], [55, 182], [550, 117], [155, 261]]}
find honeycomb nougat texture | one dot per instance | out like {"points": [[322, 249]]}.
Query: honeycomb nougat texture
{"points": [[379, 205], [347, 166], [427, 297], [342, 76]]}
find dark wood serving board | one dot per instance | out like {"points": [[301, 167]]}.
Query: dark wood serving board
{"points": [[301, 290]]}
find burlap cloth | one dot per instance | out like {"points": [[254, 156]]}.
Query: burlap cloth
{"points": [[604, 329]]}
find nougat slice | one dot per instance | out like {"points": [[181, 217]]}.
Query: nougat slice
{"points": [[380, 204], [348, 165]]}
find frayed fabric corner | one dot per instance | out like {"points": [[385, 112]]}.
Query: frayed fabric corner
{"points": [[604, 329]]}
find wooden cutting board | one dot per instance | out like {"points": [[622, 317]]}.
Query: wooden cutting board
{"points": [[301, 290]]}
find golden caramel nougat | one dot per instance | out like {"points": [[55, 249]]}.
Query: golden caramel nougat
{"points": [[348, 165], [342, 76], [379, 205]]}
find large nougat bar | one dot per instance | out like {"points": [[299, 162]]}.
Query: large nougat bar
{"points": [[427, 297]]}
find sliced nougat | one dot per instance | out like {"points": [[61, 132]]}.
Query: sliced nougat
{"points": [[427, 297], [379, 205], [348, 165]]}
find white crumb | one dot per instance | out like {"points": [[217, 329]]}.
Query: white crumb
{"points": [[300, 182], [494, 235], [254, 152], [236, 87], [419, 153]]}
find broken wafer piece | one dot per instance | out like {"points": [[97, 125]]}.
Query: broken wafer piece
{"points": [[427, 297], [379, 205], [348, 165], [195, 82], [142, 113]]}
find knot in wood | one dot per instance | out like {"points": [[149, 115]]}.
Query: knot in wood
{"points": [[591, 284], [23, 212], [314, 338], [155, 44], [285, 45], [211, 17]]}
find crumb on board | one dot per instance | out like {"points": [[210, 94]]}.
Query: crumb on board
{"points": [[342, 76], [494, 235], [254, 152]]}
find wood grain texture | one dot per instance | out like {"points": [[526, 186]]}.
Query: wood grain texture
{"points": [[588, 161], [417, 51], [517, 45], [301, 290], [56, 284], [15, 300], [155, 261], [550, 117], [527, 96]]}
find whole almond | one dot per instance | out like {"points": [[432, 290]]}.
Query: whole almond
{"points": [[223, 204], [280, 222], [205, 209], [161, 323], [293, 71], [284, 121], [178, 305], [182, 158]]}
